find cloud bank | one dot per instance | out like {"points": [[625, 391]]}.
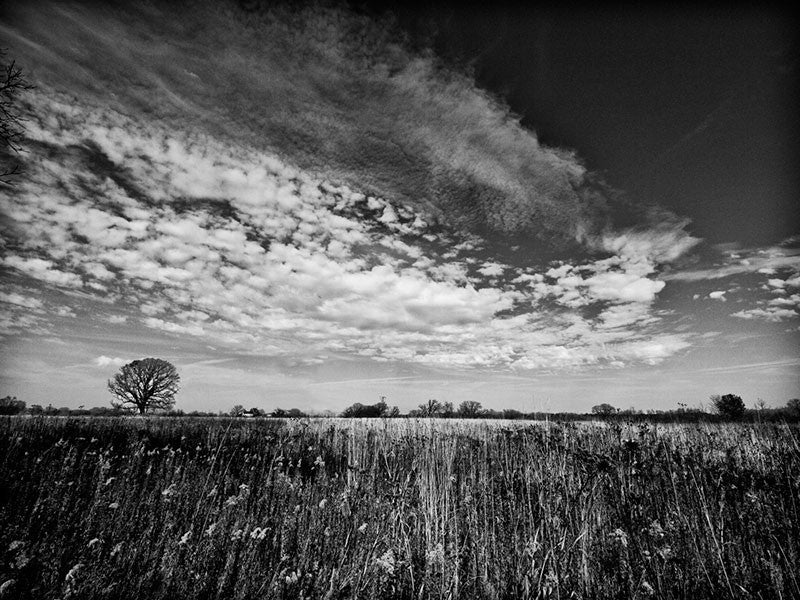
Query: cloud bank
{"points": [[194, 236]]}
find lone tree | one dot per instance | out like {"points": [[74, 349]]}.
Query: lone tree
{"points": [[604, 410], [730, 406], [145, 385]]}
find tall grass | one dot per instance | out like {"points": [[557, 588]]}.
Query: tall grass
{"points": [[115, 508]]}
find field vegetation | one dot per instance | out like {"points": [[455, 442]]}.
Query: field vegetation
{"points": [[154, 508]]}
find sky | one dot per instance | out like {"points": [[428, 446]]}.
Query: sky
{"points": [[317, 205]]}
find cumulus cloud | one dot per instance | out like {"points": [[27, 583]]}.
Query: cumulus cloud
{"points": [[43, 270], [782, 307], [625, 315], [21, 300], [196, 237], [784, 303], [616, 279], [793, 300], [108, 361], [116, 319], [771, 313], [766, 278], [491, 269]]}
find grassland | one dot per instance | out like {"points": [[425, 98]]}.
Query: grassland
{"points": [[183, 508]]}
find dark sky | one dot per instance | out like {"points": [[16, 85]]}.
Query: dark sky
{"points": [[691, 109]]}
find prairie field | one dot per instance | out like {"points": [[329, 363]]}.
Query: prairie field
{"points": [[333, 508]]}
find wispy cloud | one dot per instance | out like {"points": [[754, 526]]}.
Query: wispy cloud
{"points": [[770, 313], [339, 94], [765, 261]]}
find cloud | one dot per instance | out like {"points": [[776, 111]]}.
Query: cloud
{"points": [[616, 279], [781, 306], [773, 314], [491, 269], [652, 351], [626, 287], [107, 361], [766, 261], [173, 327], [43, 270], [663, 243], [20, 300], [241, 261], [793, 301], [325, 210], [767, 279], [625, 315], [333, 92]]}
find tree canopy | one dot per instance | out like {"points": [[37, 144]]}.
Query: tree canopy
{"points": [[145, 385], [729, 405], [11, 406], [292, 413], [381, 409], [469, 409], [793, 406], [603, 409], [432, 408]]}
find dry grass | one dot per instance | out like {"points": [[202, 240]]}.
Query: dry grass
{"points": [[112, 508]]}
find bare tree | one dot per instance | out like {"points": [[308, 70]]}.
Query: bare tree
{"points": [[145, 385], [431, 408], [12, 83]]}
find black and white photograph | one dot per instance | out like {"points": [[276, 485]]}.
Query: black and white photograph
{"points": [[369, 299]]}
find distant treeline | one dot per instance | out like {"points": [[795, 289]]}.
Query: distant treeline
{"points": [[433, 409]]}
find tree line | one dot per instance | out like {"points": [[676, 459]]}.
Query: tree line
{"points": [[469, 409], [149, 386]]}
